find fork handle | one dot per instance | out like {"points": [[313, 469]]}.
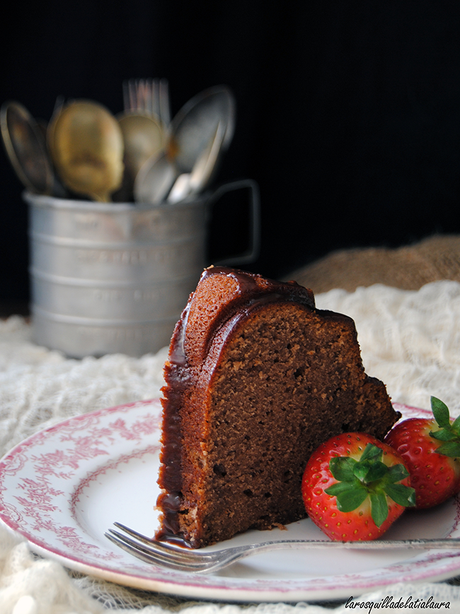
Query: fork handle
{"points": [[452, 543], [241, 552]]}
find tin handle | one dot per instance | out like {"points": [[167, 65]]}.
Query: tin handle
{"points": [[253, 250]]}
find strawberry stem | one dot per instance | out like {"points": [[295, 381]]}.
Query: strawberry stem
{"points": [[356, 480], [448, 433]]}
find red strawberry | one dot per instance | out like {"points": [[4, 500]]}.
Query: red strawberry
{"points": [[430, 449], [354, 487]]}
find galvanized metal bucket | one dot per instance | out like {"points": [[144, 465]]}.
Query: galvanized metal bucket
{"points": [[108, 278]]}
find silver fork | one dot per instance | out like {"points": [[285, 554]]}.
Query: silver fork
{"points": [[149, 96], [199, 561]]}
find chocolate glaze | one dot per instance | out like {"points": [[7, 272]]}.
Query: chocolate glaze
{"points": [[253, 291]]}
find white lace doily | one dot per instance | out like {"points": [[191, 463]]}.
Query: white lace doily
{"points": [[410, 340]]}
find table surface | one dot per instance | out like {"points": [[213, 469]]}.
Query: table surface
{"points": [[409, 339]]}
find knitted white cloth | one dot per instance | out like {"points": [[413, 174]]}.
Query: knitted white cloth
{"points": [[410, 340]]}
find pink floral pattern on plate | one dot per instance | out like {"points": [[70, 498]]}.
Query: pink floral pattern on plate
{"points": [[64, 486]]}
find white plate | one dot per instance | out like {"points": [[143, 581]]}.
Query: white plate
{"points": [[64, 487]]}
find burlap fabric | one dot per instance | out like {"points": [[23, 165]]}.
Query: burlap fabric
{"points": [[408, 268]]}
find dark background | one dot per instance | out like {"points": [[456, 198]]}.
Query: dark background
{"points": [[348, 112]]}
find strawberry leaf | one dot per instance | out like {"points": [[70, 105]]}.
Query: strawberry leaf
{"points": [[377, 471], [351, 499], [456, 426], [342, 468], [450, 448], [443, 435], [440, 412], [448, 433], [371, 453], [402, 495], [360, 471], [396, 473], [379, 508], [340, 487]]}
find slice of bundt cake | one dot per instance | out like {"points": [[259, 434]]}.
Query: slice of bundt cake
{"points": [[257, 378]]}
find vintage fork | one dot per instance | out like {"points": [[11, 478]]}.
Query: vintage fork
{"points": [[149, 96], [199, 561]]}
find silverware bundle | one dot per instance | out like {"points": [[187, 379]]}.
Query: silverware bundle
{"points": [[141, 154]]}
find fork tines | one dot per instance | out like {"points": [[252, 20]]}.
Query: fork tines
{"points": [[156, 552], [149, 96]]}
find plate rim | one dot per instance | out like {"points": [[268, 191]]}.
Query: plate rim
{"points": [[219, 590]]}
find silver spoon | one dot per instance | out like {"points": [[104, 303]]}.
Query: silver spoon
{"points": [[26, 148], [188, 184], [195, 124], [206, 164], [154, 180], [143, 137]]}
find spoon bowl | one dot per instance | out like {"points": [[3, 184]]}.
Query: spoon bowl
{"points": [[143, 137], [195, 125], [26, 148], [86, 143], [188, 184], [206, 163], [155, 179]]}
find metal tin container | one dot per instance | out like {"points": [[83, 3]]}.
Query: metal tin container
{"points": [[114, 277]]}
